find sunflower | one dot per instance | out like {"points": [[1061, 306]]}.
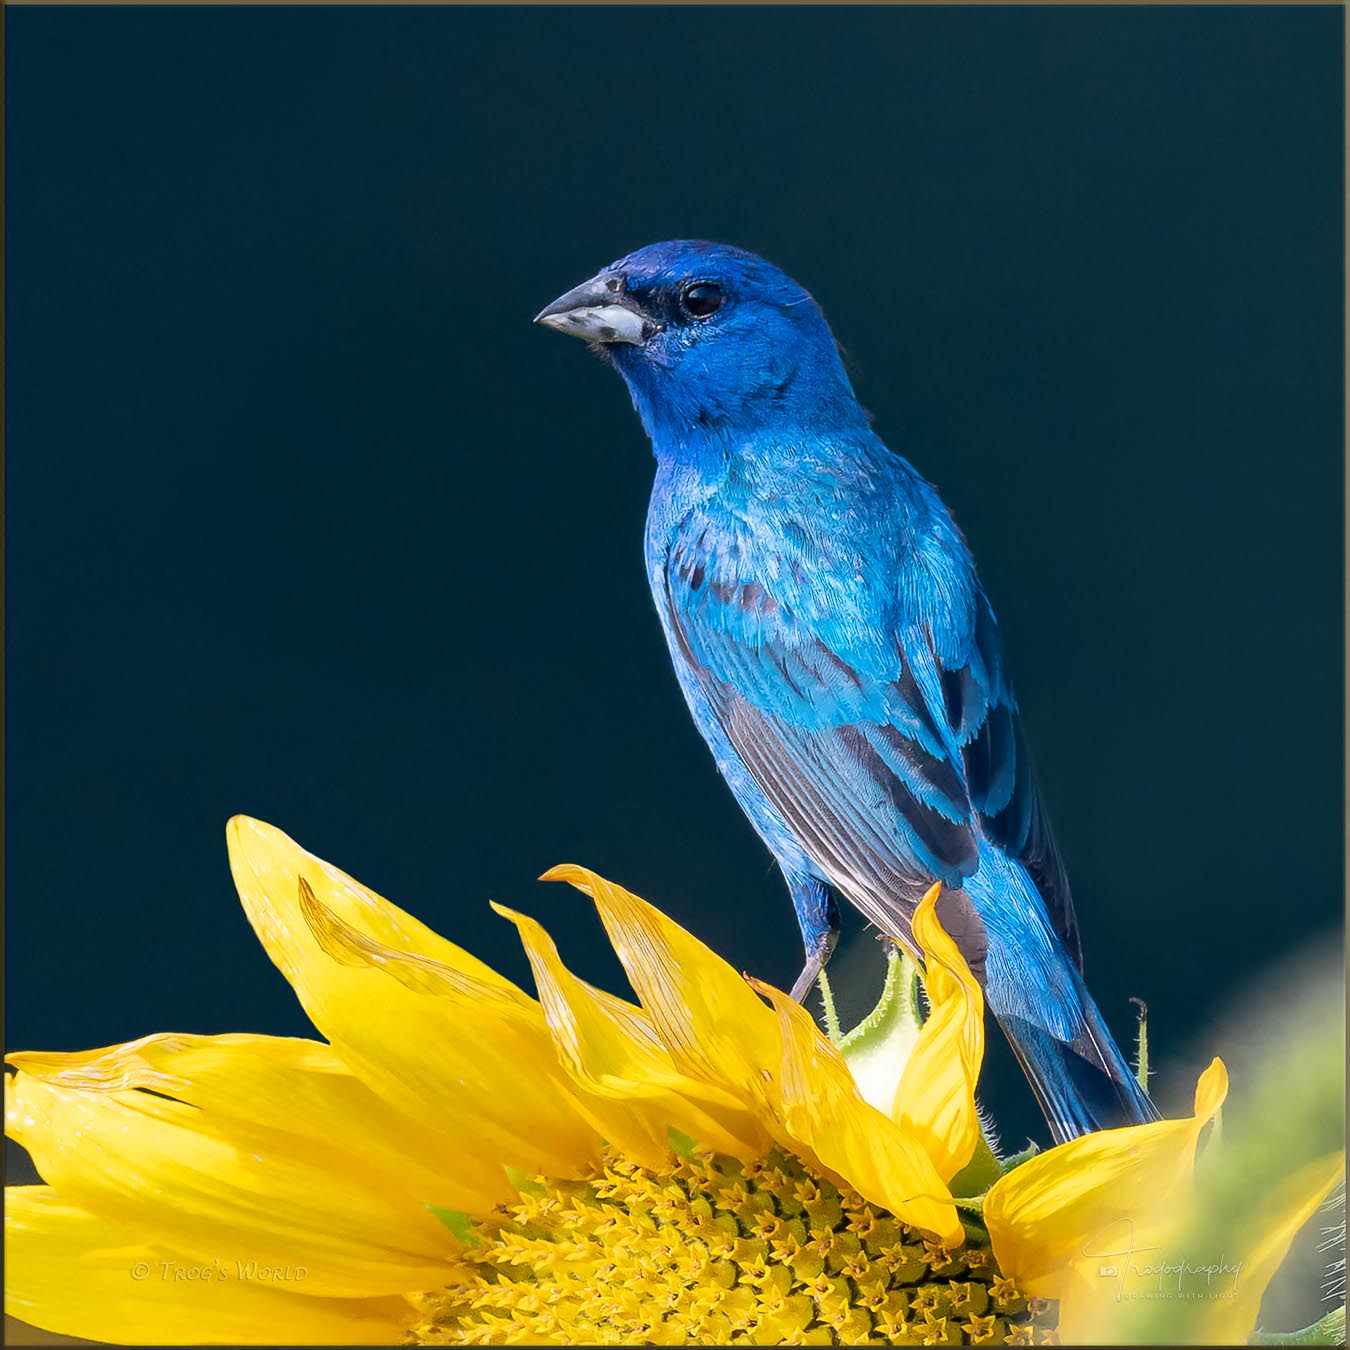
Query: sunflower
{"points": [[462, 1163]]}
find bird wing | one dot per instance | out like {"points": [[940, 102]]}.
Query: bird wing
{"points": [[885, 734]]}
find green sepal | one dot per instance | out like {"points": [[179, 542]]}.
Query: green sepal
{"points": [[899, 1002], [1141, 1045], [680, 1143], [524, 1182], [970, 1210], [1328, 1330], [459, 1223], [1017, 1159], [980, 1172], [832, 1029], [878, 1048]]}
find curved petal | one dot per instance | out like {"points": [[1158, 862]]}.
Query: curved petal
{"points": [[1262, 1246], [69, 1272], [1055, 1219], [935, 1101], [272, 861], [707, 1017], [822, 1109], [716, 1030], [272, 1152], [420, 1021], [617, 1060]]}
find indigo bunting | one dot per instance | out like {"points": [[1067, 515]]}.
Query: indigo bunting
{"points": [[838, 652]]}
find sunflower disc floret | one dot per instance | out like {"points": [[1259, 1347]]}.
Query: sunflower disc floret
{"points": [[713, 1251]]}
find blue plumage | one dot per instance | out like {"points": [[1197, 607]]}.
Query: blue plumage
{"points": [[838, 653]]}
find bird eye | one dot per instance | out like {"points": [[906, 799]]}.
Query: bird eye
{"points": [[702, 299]]}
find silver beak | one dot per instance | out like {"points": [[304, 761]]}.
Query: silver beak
{"points": [[599, 311]]}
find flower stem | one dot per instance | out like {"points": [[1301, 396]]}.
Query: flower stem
{"points": [[1141, 1066], [831, 1016], [1330, 1330]]}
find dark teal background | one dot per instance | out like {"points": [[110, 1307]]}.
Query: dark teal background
{"points": [[305, 520]]}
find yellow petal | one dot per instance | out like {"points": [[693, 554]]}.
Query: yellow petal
{"points": [[282, 1082], [614, 1055], [823, 1110], [716, 1030], [1262, 1246], [272, 861], [707, 1017], [935, 1101], [1191, 1269], [243, 1148], [420, 1021], [77, 1275], [1057, 1220]]}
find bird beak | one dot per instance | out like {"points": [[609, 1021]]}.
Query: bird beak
{"points": [[599, 311]]}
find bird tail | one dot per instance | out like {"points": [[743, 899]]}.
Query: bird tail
{"points": [[1083, 1084], [1036, 991]]}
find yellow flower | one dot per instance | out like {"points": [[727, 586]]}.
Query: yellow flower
{"points": [[1104, 1225], [462, 1163]]}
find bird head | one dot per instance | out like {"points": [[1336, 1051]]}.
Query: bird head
{"points": [[711, 341]]}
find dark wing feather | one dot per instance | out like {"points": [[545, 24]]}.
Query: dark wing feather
{"points": [[887, 764], [1001, 776]]}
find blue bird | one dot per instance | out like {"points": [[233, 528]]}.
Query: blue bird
{"points": [[838, 652]]}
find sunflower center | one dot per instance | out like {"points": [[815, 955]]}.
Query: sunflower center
{"points": [[716, 1252]]}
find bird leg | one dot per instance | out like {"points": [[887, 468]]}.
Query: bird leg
{"points": [[816, 957], [818, 918]]}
